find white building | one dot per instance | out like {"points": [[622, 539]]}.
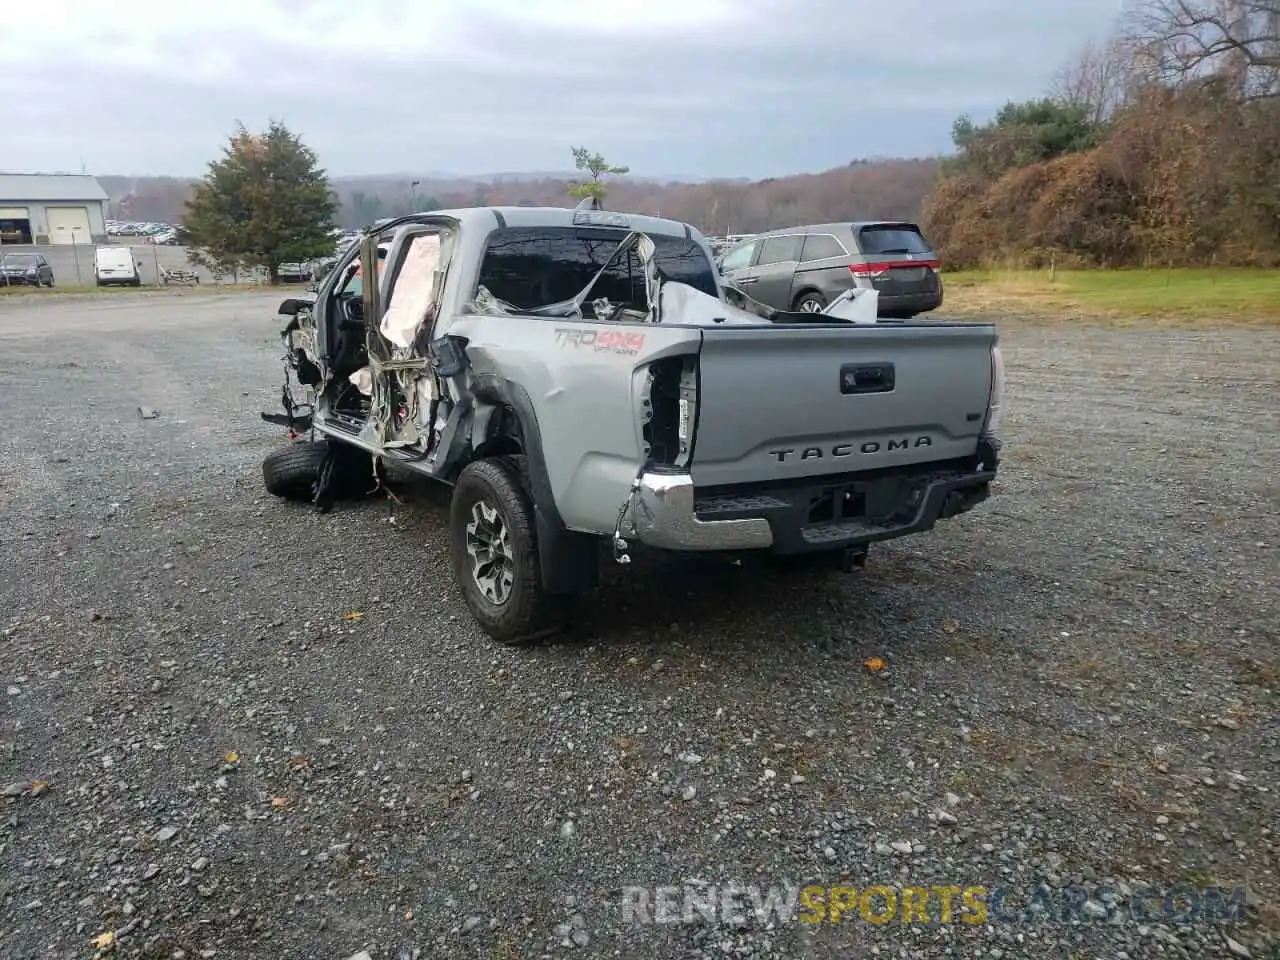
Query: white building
{"points": [[51, 208]]}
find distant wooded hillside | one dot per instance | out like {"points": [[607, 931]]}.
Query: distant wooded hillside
{"points": [[863, 189]]}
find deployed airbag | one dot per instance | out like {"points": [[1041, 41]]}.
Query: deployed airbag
{"points": [[414, 291]]}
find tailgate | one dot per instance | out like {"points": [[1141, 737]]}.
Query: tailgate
{"points": [[777, 403]]}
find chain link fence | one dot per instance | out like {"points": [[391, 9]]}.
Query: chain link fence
{"points": [[73, 264]]}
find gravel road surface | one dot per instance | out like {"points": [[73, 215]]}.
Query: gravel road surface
{"points": [[234, 728]]}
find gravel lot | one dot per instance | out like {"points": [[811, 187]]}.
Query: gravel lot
{"points": [[234, 728]]}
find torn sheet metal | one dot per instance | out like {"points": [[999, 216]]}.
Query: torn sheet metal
{"points": [[681, 303], [647, 250], [856, 305], [486, 304], [414, 292]]}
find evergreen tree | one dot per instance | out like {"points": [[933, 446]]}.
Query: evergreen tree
{"points": [[263, 203]]}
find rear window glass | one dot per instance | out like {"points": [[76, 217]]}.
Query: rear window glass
{"points": [[821, 246], [532, 267], [779, 250], [892, 239]]}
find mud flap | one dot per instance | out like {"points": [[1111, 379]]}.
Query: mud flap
{"points": [[570, 561]]}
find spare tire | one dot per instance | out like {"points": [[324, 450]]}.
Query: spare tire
{"points": [[291, 472]]}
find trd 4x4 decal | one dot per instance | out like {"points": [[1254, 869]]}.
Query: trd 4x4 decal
{"points": [[623, 342]]}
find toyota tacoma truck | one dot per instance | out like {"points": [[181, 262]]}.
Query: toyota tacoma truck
{"points": [[583, 382]]}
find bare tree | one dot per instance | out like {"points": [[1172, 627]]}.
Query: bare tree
{"points": [[1232, 42], [1100, 79]]}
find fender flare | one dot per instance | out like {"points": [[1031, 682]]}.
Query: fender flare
{"points": [[569, 560], [492, 389]]}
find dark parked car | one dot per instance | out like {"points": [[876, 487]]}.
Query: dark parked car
{"points": [[805, 268], [25, 269]]}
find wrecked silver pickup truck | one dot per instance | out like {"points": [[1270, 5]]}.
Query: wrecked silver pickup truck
{"points": [[583, 380]]}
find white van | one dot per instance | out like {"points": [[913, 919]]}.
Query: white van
{"points": [[116, 265]]}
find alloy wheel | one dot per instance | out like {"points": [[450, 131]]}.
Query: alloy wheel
{"points": [[489, 546]]}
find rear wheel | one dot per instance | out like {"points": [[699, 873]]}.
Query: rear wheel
{"points": [[810, 302], [494, 551]]}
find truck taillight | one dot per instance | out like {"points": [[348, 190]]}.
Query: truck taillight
{"points": [[670, 410], [992, 425]]}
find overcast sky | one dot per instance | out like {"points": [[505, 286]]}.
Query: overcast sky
{"points": [[751, 88]]}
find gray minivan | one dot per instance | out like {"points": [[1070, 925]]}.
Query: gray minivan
{"points": [[805, 268]]}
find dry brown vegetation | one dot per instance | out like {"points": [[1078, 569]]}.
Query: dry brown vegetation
{"points": [[1160, 147]]}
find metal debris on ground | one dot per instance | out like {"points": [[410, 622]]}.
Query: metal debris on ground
{"points": [[178, 276]]}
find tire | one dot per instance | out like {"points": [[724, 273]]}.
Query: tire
{"points": [[511, 606], [810, 302], [291, 472]]}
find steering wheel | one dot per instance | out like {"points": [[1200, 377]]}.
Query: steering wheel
{"points": [[353, 311]]}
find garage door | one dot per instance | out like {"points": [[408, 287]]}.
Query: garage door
{"points": [[14, 225], [68, 224]]}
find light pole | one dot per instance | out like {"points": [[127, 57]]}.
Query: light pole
{"points": [[413, 196]]}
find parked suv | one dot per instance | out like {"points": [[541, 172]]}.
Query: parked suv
{"points": [[805, 268], [31, 269]]}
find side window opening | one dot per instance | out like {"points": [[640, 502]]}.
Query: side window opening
{"points": [[416, 279], [821, 246], [779, 250], [352, 283]]}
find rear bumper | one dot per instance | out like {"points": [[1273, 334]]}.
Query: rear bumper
{"points": [[822, 513], [662, 515], [910, 303], [921, 302]]}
